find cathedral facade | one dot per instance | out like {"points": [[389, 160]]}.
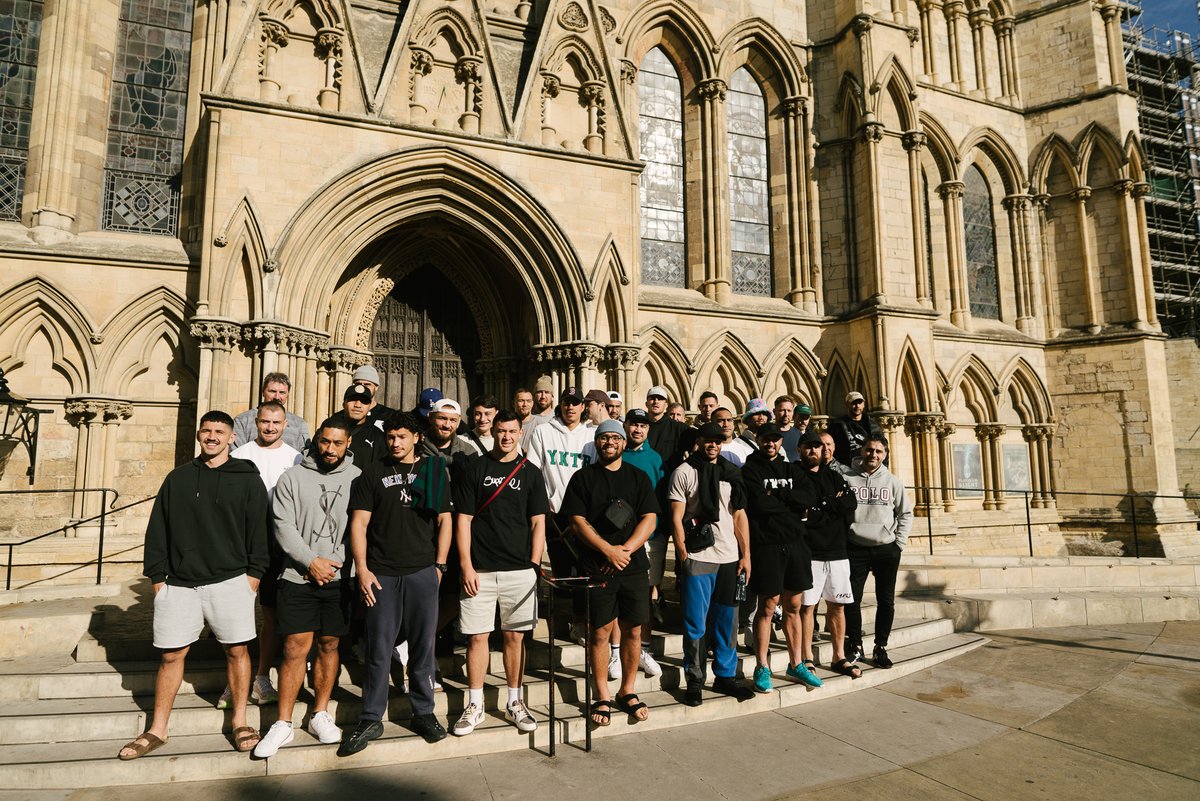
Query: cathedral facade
{"points": [[938, 203]]}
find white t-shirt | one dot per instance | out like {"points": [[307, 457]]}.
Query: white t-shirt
{"points": [[736, 451], [684, 488], [271, 462]]}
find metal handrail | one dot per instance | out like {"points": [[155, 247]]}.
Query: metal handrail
{"points": [[572, 584], [102, 517]]}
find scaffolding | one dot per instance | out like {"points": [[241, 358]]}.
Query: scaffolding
{"points": [[1162, 68]]}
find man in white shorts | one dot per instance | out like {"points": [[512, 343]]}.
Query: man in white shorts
{"points": [[826, 528], [205, 552], [501, 503]]}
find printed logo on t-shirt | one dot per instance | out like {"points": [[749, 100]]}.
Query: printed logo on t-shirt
{"points": [[567, 458], [399, 480], [874, 495], [495, 481]]}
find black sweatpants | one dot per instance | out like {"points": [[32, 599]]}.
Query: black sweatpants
{"points": [[409, 603], [883, 562]]}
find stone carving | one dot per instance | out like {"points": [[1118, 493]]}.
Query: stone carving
{"points": [[383, 287], [872, 132], [913, 140], [572, 17], [606, 20], [215, 333], [83, 410], [712, 89], [990, 430], [629, 72], [795, 106]]}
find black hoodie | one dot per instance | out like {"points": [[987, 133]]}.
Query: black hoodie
{"points": [[829, 520], [774, 501], [209, 524]]}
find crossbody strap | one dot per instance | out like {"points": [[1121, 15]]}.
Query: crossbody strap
{"points": [[500, 489]]}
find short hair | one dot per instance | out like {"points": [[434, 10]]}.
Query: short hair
{"points": [[676, 405], [217, 416], [486, 401], [405, 420], [505, 416], [276, 378], [338, 421], [880, 438], [723, 409], [271, 404], [709, 394], [783, 398], [519, 390]]}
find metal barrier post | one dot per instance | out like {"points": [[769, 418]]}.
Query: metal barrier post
{"points": [[587, 668], [1137, 548], [550, 658], [929, 521], [100, 549], [1028, 525], [8, 578]]}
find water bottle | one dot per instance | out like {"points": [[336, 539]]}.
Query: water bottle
{"points": [[740, 594]]}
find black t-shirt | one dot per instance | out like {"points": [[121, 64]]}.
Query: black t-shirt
{"points": [[368, 444], [500, 535], [400, 539], [590, 492]]}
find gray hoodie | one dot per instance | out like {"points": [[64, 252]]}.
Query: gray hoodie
{"points": [[884, 513], [310, 515]]}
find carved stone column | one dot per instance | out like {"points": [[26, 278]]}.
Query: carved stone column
{"points": [[329, 45], [337, 370], [1133, 237], [1017, 207], [718, 279], [928, 53], [955, 11], [1039, 437], [1138, 193], [921, 428], [913, 141], [1110, 12], [803, 291], [956, 253], [1003, 28], [274, 36], [891, 421], [989, 437], [97, 419], [622, 358], [572, 361], [945, 430], [1091, 280], [467, 72], [550, 89], [420, 65], [977, 20], [862, 25], [591, 94], [216, 339], [1053, 314], [871, 133]]}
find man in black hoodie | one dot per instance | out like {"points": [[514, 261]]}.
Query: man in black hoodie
{"points": [[206, 550], [781, 561]]}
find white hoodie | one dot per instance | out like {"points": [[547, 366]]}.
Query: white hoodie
{"points": [[558, 452]]}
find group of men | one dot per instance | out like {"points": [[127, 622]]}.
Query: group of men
{"points": [[387, 526]]}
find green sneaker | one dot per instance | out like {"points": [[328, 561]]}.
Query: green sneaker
{"points": [[803, 675], [762, 679]]}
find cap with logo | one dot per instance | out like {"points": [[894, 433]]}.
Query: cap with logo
{"points": [[637, 416], [429, 396], [570, 395], [357, 392]]}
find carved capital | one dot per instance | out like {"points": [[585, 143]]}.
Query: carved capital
{"points": [[954, 9], [1082, 194], [913, 140], [1123, 187], [1140, 189], [1004, 26], [329, 43], [550, 84], [985, 431], [466, 70], [951, 189], [623, 357], [629, 72], [1037, 432], [81, 410], [862, 24], [422, 61], [889, 420], [274, 32], [219, 334], [818, 423], [1016, 203], [1109, 12], [712, 89], [347, 360], [795, 106], [946, 429], [918, 423], [270, 265], [592, 93]]}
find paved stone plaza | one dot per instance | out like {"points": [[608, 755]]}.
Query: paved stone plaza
{"points": [[1068, 713]]}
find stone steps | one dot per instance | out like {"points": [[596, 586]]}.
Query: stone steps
{"points": [[91, 762], [982, 611]]}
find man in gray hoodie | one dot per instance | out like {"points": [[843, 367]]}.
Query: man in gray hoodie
{"points": [[310, 516], [877, 537]]}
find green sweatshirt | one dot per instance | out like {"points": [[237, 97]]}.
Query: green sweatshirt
{"points": [[209, 524]]}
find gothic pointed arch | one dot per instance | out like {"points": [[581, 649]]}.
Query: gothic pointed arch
{"points": [[796, 371], [678, 29], [36, 308], [608, 278], [725, 359], [577, 47], [1054, 150], [1026, 391], [131, 334], [997, 150], [1096, 141], [837, 384], [238, 270], [851, 104], [912, 390], [755, 44], [449, 23], [941, 148], [979, 386], [664, 363], [1135, 155], [326, 11], [456, 188], [861, 380], [892, 82]]}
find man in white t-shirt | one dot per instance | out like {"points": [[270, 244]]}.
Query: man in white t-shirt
{"points": [[273, 457]]}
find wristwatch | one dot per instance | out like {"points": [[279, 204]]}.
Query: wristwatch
{"points": [[441, 566]]}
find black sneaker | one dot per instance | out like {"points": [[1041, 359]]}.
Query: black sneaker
{"points": [[733, 688], [880, 658], [854, 652], [361, 737], [693, 697], [428, 727]]}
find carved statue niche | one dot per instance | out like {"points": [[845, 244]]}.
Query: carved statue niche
{"points": [[574, 102]]}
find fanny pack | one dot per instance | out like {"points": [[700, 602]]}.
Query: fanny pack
{"points": [[698, 536]]}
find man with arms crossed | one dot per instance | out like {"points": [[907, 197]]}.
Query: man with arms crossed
{"points": [[400, 529], [310, 515], [206, 550], [612, 510]]}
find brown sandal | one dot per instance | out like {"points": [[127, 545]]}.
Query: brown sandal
{"points": [[245, 738], [150, 742]]}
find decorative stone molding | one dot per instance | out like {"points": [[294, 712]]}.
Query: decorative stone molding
{"points": [[871, 132], [1016, 202], [946, 429], [629, 72], [383, 288], [329, 43], [607, 22], [712, 89], [1123, 186], [990, 430], [219, 334], [584, 354], [862, 24], [270, 265], [914, 35], [1037, 432], [623, 357], [913, 140], [572, 17], [274, 32], [1140, 189], [551, 85], [346, 360], [1082, 194], [795, 106], [917, 423], [889, 420], [81, 410], [951, 189], [1004, 26]]}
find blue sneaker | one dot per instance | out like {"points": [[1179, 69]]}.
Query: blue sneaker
{"points": [[762, 679], [802, 674]]}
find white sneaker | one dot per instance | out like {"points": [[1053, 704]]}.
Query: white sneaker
{"points": [[750, 640], [263, 692], [226, 699], [322, 727], [577, 635], [471, 717], [401, 653], [648, 665], [520, 717], [279, 735], [614, 664]]}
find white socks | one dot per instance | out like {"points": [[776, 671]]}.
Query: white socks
{"points": [[514, 694], [475, 697]]}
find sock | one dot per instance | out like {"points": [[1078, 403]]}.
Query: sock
{"points": [[514, 694], [475, 697]]}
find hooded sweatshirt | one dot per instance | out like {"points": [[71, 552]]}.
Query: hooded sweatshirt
{"points": [[558, 452], [208, 524], [310, 515], [774, 502], [829, 520], [884, 513]]}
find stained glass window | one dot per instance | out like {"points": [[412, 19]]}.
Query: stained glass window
{"points": [[20, 35], [660, 133], [147, 116], [746, 123], [979, 231]]}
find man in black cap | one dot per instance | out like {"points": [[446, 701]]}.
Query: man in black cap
{"points": [[366, 440]]}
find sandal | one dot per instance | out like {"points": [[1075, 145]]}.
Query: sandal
{"points": [[141, 745], [601, 712], [245, 738], [632, 705], [811, 664], [846, 668]]}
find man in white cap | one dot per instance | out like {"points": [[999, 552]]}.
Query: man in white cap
{"points": [[850, 431], [664, 432], [616, 405], [367, 376]]}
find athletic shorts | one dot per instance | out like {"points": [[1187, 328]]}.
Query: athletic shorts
{"points": [[777, 567], [323, 610], [656, 551], [268, 589], [831, 581], [514, 591], [624, 597], [226, 606]]}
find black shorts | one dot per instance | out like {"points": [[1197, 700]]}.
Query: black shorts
{"points": [[625, 597], [268, 587], [307, 607], [779, 567]]}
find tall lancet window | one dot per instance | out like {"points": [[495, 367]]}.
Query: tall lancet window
{"points": [[746, 119], [660, 132]]}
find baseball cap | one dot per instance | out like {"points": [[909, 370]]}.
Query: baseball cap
{"points": [[570, 395], [367, 373], [357, 392], [446, 405], [596, 396], [637, 416], [610, 427], [429, 396], [658, 392], [853, 396], [710, 431], [810, 438], [613, 395], [769, 431], [804, 410]]}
